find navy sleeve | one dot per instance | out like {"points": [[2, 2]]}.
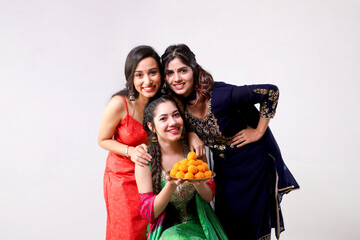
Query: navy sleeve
{"points": [[267, 95]]}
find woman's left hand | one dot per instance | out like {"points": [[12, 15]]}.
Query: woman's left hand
{"points": [[245, 136]]}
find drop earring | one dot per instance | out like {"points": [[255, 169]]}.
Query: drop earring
{"points": [[154, 138], [131, 94], [163, 88]]}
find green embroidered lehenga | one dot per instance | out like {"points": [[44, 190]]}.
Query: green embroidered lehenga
{"points": [[187, 216], [193, 214]]}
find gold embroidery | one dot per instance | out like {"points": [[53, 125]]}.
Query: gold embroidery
{"points": [[268, 106], [266, 237], [261, 91], [208, 130], [181, 197]]}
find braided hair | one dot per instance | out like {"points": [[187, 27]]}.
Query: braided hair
{"points": [[203, 81], [154, 148]]}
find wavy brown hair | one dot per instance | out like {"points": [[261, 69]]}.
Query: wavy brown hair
{"points": [[154, 148], [203, 81]]}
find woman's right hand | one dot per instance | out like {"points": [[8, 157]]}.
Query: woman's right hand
{"points": [[196, 145], [139, 155], [174, 181]]}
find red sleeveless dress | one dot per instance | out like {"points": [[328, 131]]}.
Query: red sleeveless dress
{"points": [[120, 190]]}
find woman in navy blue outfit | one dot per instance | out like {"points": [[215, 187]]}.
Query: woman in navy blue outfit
{"points": [[251, 176]]}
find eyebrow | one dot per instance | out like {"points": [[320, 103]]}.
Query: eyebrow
{"points": [[165, 114], [154, 68], [167, 70]]}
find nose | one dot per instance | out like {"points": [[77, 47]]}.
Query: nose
{"points": [[147, 79], [177, 77], [172, 121]]}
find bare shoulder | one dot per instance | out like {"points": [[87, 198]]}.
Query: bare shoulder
{"points": [[118, 102], [117, 107]]}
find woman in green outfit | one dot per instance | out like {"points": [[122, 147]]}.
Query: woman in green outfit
{"points": [[175, 209]]}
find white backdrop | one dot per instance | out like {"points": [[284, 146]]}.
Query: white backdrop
{"points": [[60, 61]]}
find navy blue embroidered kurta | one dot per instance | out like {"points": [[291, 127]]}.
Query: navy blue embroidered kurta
{"points": [[252, 179]]}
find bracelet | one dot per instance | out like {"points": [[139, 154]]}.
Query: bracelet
{"points": [[127, 151]]}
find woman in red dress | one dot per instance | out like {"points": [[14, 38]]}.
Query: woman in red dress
{"points": [[120, 133]]}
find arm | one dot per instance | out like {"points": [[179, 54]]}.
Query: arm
{"points": [[144, 184], [249, 134], [204, 191], [163, 198], [196, 145], [113, 114], [267, 95]]}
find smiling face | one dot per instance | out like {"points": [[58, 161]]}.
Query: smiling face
{"points": [[168, 123], [147, 77], [179, 77]]}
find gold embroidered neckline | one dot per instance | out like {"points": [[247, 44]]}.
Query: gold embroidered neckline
{"points": [[207, 115]]}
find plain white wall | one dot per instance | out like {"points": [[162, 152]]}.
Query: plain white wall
{"points": [[60, 61]]}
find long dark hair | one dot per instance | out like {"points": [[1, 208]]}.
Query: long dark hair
{"points": [[154, 149], [203, 81], [133, 58]]}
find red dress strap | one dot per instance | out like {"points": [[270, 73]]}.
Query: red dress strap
{"points": [[127, 111]]}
